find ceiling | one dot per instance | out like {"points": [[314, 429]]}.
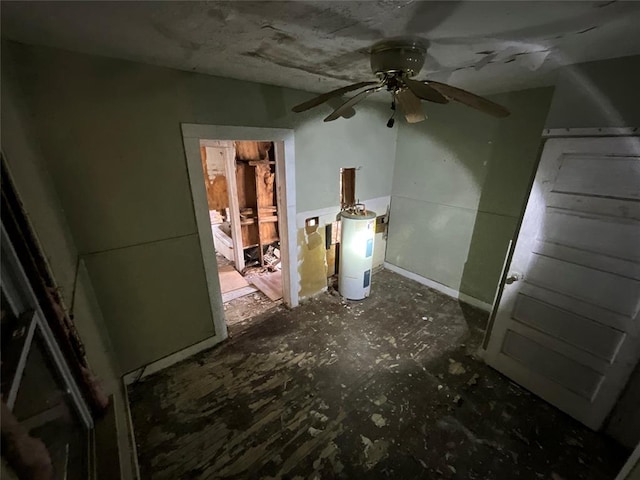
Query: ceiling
{"points": [[486, 47]]}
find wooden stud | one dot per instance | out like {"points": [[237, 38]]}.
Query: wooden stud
{"points": [[347, 187], [234, 207]]}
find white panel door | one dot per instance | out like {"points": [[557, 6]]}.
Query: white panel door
{"points": [[567, 325]]}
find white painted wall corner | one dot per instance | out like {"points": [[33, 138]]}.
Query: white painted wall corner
{"points": [[474, 302]]}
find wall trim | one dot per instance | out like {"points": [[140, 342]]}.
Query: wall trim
{"points": [[474, 302], [127, 451], [632, 465], [590, 132], [169, 360]]}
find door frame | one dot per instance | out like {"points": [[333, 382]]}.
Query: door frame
{"points": [[286, 201]]}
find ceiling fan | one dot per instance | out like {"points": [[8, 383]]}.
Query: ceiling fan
{"points": [[395, 62]]}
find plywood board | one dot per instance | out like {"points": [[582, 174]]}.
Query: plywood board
{"points": [[240, 292], [270, 284], [215, 181], [230, 279], [217, 195]]}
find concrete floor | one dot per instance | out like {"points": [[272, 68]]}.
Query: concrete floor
{"points": [[389, 387]]}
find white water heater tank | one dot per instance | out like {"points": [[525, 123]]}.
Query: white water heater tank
{"points": [[356, 254]]}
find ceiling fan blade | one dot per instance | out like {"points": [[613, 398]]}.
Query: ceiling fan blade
{"points": [[336, 102], [470, 99], [410, 105], [338, 112], [314, 102], [424, 91]]}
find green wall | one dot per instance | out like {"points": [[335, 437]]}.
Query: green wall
{"points": [[31, 177], [597, 94], [40, 200], [110, 135], [460, 183]]}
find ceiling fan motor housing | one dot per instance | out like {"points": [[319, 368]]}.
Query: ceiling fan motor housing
{"points": [[397, 56]]}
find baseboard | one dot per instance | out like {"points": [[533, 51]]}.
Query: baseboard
{"points": [[440, 287], [127, 447], [474, 302], [169, 360], [481, 353], [106, 448], [132, 469]]}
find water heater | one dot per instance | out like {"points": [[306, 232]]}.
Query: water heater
{"points": [[356, 254]]}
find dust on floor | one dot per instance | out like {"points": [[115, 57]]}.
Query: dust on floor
{"points": [[243, 312], [389, 387]]}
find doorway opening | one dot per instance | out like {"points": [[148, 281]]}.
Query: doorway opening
{"points": [[241, 188], [196, 136]]}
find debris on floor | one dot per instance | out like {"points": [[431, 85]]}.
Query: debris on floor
{"points": [[473, 380], [322, 392], [244, 301], [272, 258], [456, 368], [378, 420], [241, 313]]}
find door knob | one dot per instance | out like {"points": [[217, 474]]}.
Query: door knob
{"points": [[513, 277]]}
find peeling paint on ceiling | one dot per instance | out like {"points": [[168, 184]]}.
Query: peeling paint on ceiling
{"points": [[315, 46]]}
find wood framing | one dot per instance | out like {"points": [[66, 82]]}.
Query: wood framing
{"points": [[234, 207]]}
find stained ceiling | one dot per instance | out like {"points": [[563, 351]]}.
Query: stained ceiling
{"points": [[315, 46]]}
